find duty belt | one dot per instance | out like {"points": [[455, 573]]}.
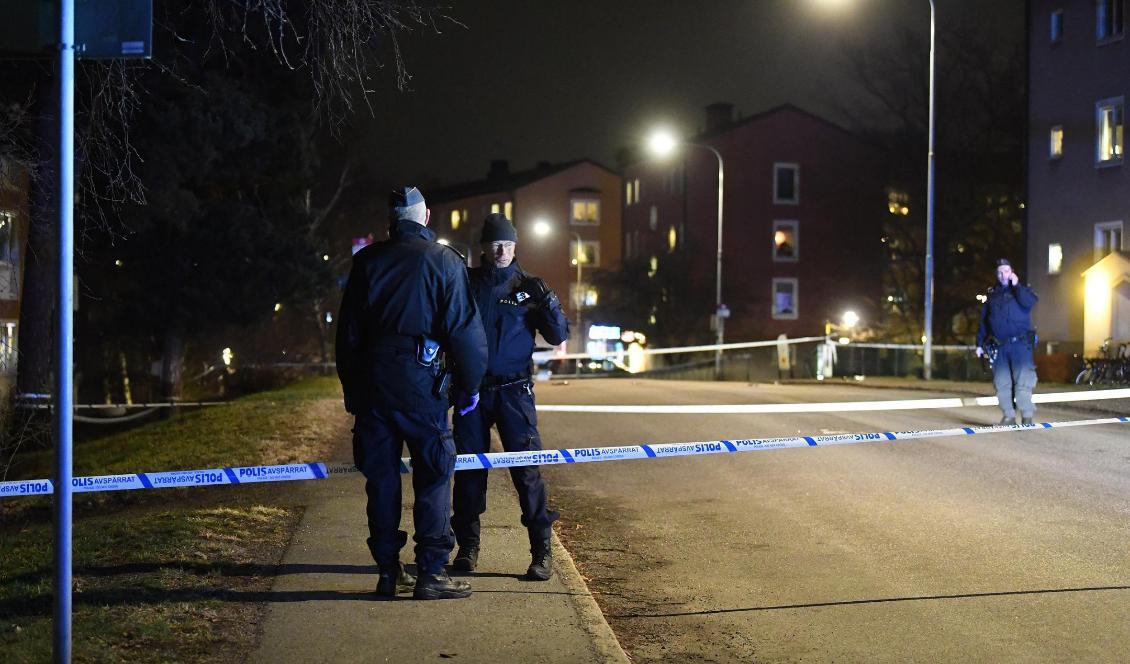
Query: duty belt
{"points": [[492, 382], [1016, 339]]}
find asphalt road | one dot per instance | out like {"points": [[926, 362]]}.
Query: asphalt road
{"points": [[1006, 547]]}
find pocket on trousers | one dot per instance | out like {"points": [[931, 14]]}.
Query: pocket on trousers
{"points": [[440, 454]]}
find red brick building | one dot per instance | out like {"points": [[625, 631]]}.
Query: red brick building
{"points": [[14, 221], [576, 199], [803, 205]]}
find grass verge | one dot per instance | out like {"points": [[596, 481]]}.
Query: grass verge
{"points": [[167, 575]]}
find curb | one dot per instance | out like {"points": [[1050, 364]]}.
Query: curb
{"points": [[604, 640]]}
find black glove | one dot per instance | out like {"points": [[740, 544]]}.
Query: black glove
{"points": [[540, 293]]}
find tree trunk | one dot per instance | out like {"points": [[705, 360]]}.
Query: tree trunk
{"points": [[172, 362], [37, 301]]}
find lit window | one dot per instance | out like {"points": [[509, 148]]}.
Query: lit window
{"points": [[785, 299], [786, 184], [589, 254], [1055, 258], [495, 208], [584, 297], [786, 241], [508, 210], [456, 219], [1108, 238], [628, 193], [1108, 120], [1057, 26], [8, 250], [653, 218], [1055, 142], [586, 212], [636, 185], [1108, 20], [652, 266], [898, 202], [672, 239]]}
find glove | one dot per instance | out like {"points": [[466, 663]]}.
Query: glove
{"points": [[539, 291], [980, 351], [465, 403]]}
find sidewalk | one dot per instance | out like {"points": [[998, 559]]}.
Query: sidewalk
{"points": [[322, 608]]}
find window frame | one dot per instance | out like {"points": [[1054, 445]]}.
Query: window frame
{"points": [[1053, 155], [773, 298], [1117, 103], [1118, 29], [1101, 229], [778, 224], [573, 201], [591, 243], [778, 166]]}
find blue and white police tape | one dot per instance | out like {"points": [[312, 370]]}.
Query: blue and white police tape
{"points": [[318, 471], [829, 406]]}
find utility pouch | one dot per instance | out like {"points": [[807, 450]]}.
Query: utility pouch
{"points": [[427, 350], [1032, 338]]}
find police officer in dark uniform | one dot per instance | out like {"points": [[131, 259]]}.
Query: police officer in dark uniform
{"points": [[1007, 323], [408, 300], [514, 306]]}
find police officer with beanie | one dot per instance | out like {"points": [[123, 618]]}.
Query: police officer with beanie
{"points": [[514, 306], [1006, 322], [407, 301]]}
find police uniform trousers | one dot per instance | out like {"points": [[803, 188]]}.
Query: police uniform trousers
{"points": [[1014, 376], [511, 409], [378, 438]]}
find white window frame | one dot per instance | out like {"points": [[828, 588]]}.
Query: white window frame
{"points": [[795, 168], [796, 298], [795, 227], [1053, 154], [1055, 253], [595, 244], [587, 200], [1056, 21], [1101, 231], [1118, 28], [1100, 106]]}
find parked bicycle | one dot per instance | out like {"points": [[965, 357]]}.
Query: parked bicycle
{"points": [[1110, 368]]}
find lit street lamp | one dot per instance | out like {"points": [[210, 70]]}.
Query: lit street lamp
{"points": [[542, 228], [662, 143]]}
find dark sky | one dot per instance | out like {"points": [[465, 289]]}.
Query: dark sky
{"points": [[531, 80]]}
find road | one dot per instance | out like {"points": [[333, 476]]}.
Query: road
{"points": [[1000, 547]]}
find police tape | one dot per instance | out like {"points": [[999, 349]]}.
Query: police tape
{"points": [[829, 406], [489, 460]]}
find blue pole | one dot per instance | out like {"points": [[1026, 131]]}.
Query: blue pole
{"points": [[928, 295], [64, 335]]}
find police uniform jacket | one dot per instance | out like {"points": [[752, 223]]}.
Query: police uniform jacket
{"points": [[513, 311], [399, 291], [1007, 313]]}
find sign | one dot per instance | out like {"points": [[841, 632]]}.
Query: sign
{"points": [[723, 311], [604, 333], [104, 29]]}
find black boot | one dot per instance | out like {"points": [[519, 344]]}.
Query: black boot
{"points": [[541, 563], [467, 559], [393, 580], [1026, 421], [440, 586], [1007, 421]]}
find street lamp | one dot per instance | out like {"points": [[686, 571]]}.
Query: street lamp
{"points": [[928, 294], [662, 143], [542, 228]]}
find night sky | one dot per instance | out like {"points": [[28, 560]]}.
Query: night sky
{"points": [[534, 80]]}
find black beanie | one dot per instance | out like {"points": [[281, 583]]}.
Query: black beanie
{"points": [[497, 228]]}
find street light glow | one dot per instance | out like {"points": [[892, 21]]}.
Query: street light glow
{"points": [[662, 143], [541, 228], [850, 318]]}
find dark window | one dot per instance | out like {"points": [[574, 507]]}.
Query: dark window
{"points": [[1057, 26], [786, 183], [1108, 19]]}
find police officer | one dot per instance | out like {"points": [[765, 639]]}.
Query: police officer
{"points": [[406, 300], [1006, 321], [514, 306]]}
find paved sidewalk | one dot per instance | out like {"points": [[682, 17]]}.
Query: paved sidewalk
{"points": [[323, 609]]}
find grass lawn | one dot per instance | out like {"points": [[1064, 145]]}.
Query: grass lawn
{"points": [[166, 575]]}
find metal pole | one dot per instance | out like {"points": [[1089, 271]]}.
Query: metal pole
{"points": [[720, 321], [580, 298], [64, 336], [928, 346]]}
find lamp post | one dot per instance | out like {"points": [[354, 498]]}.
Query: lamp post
{"points": [[928, 292], [542, 228], [661, 144]]}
